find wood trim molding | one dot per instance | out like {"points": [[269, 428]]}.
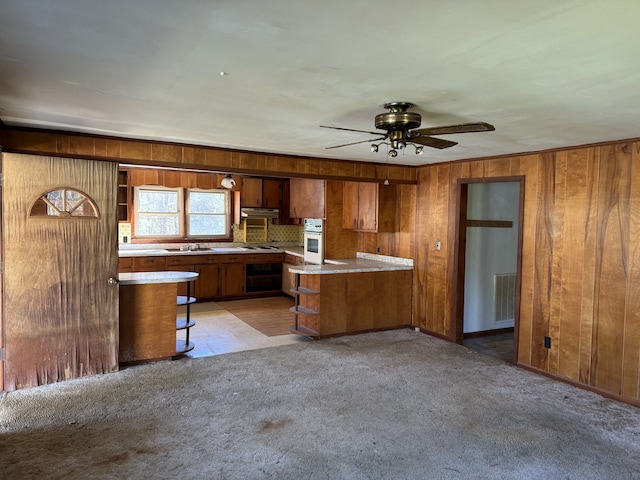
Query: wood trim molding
{"points": [[195, 157], [490, 223]]}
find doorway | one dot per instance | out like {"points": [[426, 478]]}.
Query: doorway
{"points": [[488, 257]]}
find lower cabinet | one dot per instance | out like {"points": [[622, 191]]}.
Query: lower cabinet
{"points": [[232, 278], [208, 283], [376, 301], [222, 276]]}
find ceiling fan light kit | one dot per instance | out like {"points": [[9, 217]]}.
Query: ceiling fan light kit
{"points": [[400, 125]]}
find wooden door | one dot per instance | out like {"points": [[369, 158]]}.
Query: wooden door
{"points": [[251, 195], [307, 198], [208, 284], [60, 308], [272, 193], [368, 207], [350, 205], [233, 280]]}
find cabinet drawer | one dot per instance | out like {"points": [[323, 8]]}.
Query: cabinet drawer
{"points": [[231, 258], [155, 263], [178, 260], [293, 259], [264, 257], [125, 264]]}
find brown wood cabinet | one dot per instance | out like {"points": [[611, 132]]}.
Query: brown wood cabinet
{"points": [[232, 276], [307, 198], [377, 300], [272, 193], [251, 195], [369, 207], [148, 264]]}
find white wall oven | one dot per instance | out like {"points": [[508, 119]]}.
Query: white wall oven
{"points": [[313, 240]]}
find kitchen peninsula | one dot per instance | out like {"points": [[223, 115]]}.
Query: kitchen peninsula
{"points": [[367, 293], [148, 315]]}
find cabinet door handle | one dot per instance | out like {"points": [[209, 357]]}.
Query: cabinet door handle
{"points": [[112, 281]]}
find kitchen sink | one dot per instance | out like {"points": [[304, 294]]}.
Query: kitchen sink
{"points": [[227, 249]]}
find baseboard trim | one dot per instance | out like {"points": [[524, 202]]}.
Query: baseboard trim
{"points": [[599, 391]]}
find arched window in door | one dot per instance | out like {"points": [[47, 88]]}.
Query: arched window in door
{"points": [[64, 202]]}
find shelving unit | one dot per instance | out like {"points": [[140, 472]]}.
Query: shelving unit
{"points": [[307, 316], [186, 322], [123, 195], [254, 230]]}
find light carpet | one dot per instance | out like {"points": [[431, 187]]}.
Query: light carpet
{"points": [[385, 405]]}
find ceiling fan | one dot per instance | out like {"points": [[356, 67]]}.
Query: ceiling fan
{"points": [[399, 122]]}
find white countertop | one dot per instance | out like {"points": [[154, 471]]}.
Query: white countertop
{"points": [[364, 262], [141, 278], [164, 252]]}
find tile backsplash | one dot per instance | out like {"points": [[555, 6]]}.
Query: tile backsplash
{"points": [[275, 233]]}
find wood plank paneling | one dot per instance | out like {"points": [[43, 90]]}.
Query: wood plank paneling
{"points": [[162, 154], [631, 343], [580, 260], [573, 243], [611, 262]]}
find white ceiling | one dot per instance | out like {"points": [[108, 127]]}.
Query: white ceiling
{"points": [[548, 73]]}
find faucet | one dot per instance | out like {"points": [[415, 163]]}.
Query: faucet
{"points": [[192, 247]]}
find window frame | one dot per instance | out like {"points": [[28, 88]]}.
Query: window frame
{"points": [[182, 214], [226, 214], [179, 214]]}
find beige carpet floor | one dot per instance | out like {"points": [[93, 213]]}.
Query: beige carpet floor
{"points": [[385, 405]]}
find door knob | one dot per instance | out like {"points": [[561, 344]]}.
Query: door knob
{"points": [[112, 281]]}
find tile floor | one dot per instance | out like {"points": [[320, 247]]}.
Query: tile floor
{"points": [[500, 345], [217, 331]]}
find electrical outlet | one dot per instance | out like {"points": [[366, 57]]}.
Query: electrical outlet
{"points": [[547, 342]]}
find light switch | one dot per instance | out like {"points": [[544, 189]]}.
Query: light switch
{"points": [[124, 232]]}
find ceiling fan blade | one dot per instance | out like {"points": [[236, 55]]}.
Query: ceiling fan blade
{"points": [[350, 130], [433, 142], [462, 128], [355, 143]]}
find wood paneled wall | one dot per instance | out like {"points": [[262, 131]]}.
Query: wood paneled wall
{"points": [[580, 260], [400, 243], [163, 154]]}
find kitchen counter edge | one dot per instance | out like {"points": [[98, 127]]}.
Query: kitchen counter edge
{"points": [[364, 262]]}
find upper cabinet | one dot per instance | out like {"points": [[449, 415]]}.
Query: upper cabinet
{"points": [[272, 193], [369, 207], [307, 198], [261, 192], [251, 195]]}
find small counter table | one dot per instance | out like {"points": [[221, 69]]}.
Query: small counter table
{"points": [[148, 315]]}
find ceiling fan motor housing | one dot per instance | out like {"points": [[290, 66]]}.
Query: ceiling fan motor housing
{"points": [[398, 121]]}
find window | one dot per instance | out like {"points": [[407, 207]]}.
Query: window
{"points": [[65, 203], [207, 213], [163, 213], [158, 212]]}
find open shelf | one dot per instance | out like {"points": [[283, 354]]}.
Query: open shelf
{"points": [[184, 347], [255, 230], [184, 322], [184, 300], [299, 310]]}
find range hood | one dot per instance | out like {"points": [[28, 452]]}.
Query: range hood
{"points": [[259, 212]]}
